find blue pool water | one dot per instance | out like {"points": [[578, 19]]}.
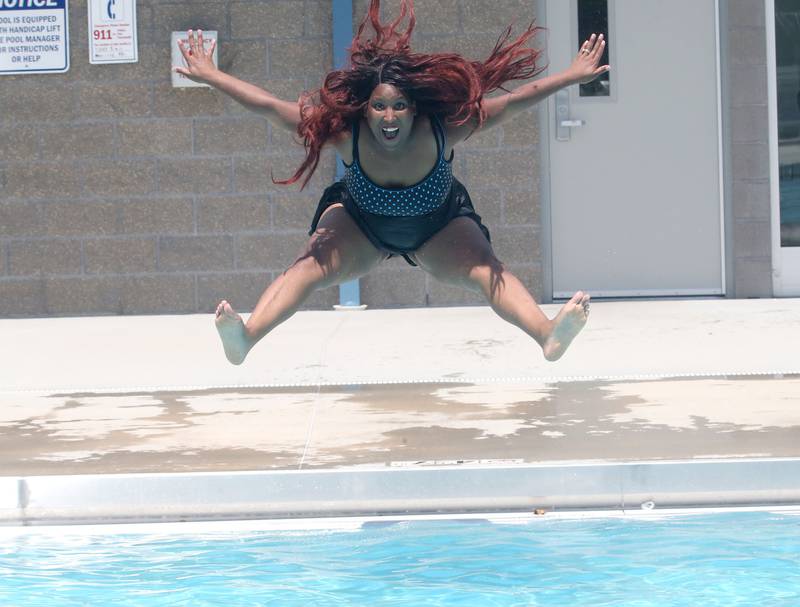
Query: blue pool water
{"points": [[750, 558]]}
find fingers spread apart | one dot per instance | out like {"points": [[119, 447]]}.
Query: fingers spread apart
{"points": [[593, 48]]}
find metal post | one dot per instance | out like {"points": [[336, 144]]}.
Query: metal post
{"points": [[349, 292]]}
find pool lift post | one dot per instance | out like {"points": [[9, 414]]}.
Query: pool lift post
{"points": [[349, 292]]}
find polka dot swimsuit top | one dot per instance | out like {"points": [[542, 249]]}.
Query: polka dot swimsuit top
{"points": [[419, 199]]}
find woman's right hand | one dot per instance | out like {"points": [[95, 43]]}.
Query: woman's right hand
{"points": [[585, 67], [199, 63]]}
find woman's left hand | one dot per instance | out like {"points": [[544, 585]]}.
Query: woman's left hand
{"points": [[585, 66]]}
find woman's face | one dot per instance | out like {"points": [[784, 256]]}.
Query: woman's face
{"points": [[390, 115]]}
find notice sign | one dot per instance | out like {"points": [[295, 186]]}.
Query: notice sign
{"points": [[34, 36], [112, 31]]}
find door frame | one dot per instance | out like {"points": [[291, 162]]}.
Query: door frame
{"points": [[547, 118], [785, 260]]}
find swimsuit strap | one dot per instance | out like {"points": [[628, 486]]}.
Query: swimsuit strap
{"points": [[438, 133], [356, 129], [441, 141]]}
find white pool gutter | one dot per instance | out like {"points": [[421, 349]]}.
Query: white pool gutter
{"points": [[385, 491]]}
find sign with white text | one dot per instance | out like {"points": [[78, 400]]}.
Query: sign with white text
{"points": [[34, 36], [112, 31]]}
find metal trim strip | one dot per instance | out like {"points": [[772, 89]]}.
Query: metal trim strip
{"points": [[458, 489]]}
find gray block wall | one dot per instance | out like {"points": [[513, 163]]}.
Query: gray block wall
{"points": [[745, 98], [121, 195]]}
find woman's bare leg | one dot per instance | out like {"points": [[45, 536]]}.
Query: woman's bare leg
{"points": [[460, 254], [337, 252]]}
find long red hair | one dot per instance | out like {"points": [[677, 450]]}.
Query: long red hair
{"points": [[444, 84]]}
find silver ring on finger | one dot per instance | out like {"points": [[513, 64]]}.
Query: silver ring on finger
{"points": [[585, 50]]}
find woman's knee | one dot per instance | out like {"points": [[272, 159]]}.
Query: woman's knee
{"points": [[307, 270], [484, 275], [339, 245]]}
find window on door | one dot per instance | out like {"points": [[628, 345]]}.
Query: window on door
{"points": [[593, 19], [787, 47]]}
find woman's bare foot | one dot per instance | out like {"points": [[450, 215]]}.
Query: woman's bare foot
{"points": [[566, 325], [231, 331]]}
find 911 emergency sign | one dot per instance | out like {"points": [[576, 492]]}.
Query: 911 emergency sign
{"points": [[112, 31]]}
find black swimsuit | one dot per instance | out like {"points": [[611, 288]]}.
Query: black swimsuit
{"points": [[400, 220], [408, 201]]}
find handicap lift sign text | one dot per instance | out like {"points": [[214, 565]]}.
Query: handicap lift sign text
{"points": [[34, 36]]}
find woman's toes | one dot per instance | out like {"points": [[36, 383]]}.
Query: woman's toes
{"points": [[221, 308]]}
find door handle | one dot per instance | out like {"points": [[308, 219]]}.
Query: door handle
{"points": [[563, 121]]}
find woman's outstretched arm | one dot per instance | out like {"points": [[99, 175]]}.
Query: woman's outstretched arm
{"points": [[201, 68], [502, 108]]}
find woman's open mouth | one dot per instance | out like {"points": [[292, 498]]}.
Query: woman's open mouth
{"points": [[390, 132]]}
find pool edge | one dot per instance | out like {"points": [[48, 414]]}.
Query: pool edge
{"points": [[376, 491]]}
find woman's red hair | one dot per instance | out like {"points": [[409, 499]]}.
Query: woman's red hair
{"points": [[444, 84]]}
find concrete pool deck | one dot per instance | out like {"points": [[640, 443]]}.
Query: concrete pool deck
{"points": [[653, 380]]}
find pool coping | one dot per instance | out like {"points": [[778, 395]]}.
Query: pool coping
{"points": [[349, 524], [631, 339], [460, 488]]}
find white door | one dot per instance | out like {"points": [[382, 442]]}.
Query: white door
{"points": [[635, 189]]}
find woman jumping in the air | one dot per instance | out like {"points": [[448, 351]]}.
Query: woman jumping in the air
{"points": [[395, 116]]}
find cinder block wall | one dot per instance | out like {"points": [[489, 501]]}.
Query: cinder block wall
{"points": [[121, 195], [749, 149]]}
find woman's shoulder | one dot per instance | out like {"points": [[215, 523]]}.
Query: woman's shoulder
{"points": [[452, 134], [456, 133], [342, 142]]}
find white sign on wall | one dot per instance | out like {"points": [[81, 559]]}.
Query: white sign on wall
{"points": [[34, 36], [112, 31], [180, 81]]}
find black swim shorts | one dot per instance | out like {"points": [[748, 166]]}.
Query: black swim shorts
{"points": [[401, 235]]}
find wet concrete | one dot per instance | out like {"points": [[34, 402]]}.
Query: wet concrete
{"points": [[398, 425]]}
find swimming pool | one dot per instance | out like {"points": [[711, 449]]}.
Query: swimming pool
{"points": [[728, 558]]}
